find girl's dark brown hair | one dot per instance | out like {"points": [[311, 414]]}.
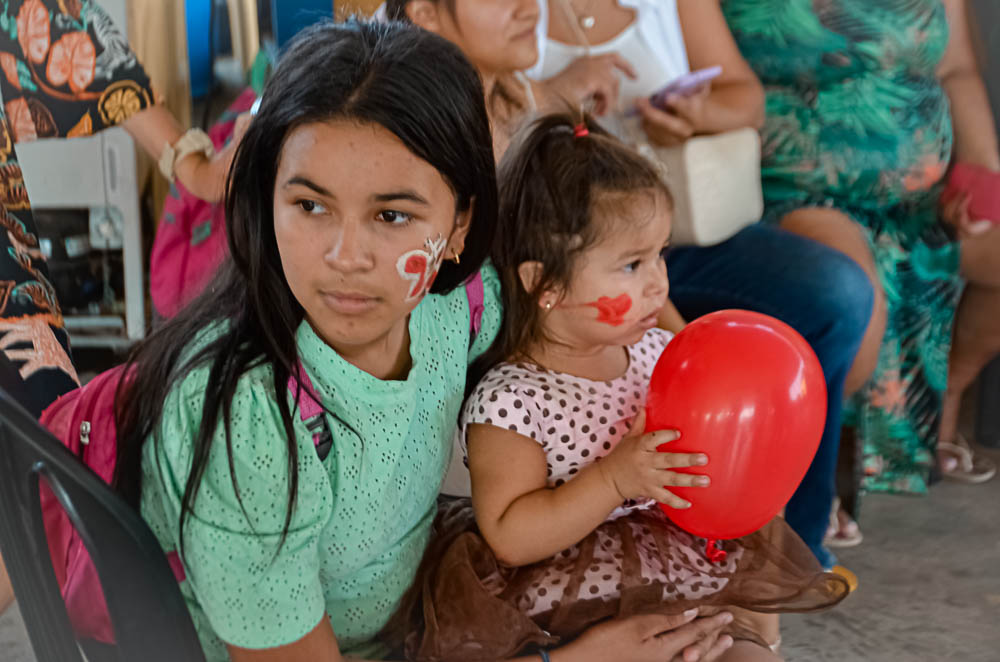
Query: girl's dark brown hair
{"points": [[550, 181]]}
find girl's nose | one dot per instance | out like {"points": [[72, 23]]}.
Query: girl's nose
{"points": [[349, 250]]}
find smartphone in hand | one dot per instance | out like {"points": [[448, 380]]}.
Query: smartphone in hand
{"points": [[684, 85]]}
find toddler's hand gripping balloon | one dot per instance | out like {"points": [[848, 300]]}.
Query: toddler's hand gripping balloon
{"points": [[746, 390]]}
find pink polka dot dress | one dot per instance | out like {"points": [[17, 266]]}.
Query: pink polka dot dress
{"points": [[636, 561]]}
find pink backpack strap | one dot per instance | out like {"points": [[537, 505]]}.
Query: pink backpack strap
{"points": [[174, 560], [476, 294], [311, 412]]}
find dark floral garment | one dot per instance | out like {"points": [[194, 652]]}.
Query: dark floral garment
{"points": [[65, 71], [857, 121]]}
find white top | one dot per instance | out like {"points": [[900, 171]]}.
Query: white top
{"points": [[653, 44], [576, 421], [652, 74]]}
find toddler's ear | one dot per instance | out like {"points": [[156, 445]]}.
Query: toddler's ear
{"points": [[529, 272]]}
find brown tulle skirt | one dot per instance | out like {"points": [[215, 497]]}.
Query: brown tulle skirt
{"points": [[465, 606]]}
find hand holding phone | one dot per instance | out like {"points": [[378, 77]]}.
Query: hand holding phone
{"points": [[684, 85]]}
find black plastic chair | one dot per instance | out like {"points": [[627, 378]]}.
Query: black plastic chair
{"points": [[150, 619]]}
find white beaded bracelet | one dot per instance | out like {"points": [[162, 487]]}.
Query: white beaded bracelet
{"points": [[193, 140]]}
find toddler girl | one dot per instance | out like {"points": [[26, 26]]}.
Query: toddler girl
{"points": [[565, 484]]}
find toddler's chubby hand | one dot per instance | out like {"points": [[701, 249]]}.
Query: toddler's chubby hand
{"points": [[637, 470]]}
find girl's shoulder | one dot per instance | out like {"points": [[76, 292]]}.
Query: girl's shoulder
{"points": [[655, 341], [468, 316], [513, 396], [512, 378], [644, 354], [192, 385]]}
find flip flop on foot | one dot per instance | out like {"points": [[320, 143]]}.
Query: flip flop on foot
{"points": [[843, 531], [959, 462]]}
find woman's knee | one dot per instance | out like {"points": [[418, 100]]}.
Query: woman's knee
{"points": [[849, 292], [844, 301], [852, 297]]}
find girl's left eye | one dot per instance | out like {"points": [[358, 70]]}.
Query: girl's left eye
{"points": [[394, 217], [632, 266]]}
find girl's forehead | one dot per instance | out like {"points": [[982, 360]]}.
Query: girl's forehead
{"points": [[347, 158]]}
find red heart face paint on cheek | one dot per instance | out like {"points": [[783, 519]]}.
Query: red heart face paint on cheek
{"points": [[612, 311]]}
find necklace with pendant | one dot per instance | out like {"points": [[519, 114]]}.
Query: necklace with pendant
{"points": [[586, 18]]}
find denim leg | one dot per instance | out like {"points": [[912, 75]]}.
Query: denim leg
{"points": [[818, 291]]}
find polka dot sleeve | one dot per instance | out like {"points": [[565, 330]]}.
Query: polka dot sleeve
{"points": [[503, 405], [254, 593]]}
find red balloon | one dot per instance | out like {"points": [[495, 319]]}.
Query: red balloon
{"points": [[748, 391]]}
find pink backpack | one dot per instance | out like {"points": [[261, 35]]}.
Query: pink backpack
{"points": [[84, 421], [190, 241]]}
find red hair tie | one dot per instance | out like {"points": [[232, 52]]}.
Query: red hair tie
{"points": [[580, 130]]}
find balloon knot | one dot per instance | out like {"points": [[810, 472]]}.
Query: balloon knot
{"points": [[715, 553]]}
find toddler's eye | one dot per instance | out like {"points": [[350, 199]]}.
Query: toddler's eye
{"points": [[632, 266]]}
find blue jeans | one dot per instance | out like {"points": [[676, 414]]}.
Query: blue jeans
{"points": [[818, 291]]}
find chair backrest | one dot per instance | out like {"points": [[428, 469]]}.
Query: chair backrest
{"points": [[150, 619]]}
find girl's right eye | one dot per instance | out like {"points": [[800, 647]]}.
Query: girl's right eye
{"points": [[632, 266], [310, 206], [393, 217]]}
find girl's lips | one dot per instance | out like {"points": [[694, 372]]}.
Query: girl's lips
{"points": [[349, 303]]}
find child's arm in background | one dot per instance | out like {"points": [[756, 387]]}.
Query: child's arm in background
{"points": [[524, 521], [670, 318]]}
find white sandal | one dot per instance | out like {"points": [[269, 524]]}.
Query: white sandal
{"points": [[841, 537], [969, 467]]}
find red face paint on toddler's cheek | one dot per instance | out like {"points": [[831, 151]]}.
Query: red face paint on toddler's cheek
{"points": [[612, 311]]}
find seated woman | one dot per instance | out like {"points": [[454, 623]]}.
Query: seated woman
{"points": [[761, 268], [867, 106]]}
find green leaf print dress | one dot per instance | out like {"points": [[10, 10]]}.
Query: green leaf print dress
{"points": [[857, 121]]}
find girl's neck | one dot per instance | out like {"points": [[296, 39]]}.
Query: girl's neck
{"points": [[599, 363], [386, 358]]}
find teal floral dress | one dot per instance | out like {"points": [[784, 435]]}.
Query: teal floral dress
{"points": [[856, 121]]}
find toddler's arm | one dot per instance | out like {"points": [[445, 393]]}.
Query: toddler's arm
{"points": [[524, 521]]}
